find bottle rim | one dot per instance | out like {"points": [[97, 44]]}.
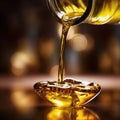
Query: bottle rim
{"points": [[80, 19]]}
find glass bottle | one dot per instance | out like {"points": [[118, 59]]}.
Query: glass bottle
{"points": [[88, 11], [104, 11]]}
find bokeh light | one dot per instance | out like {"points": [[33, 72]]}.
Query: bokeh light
{"points": [[79, 42], [105, 62], [22, 61], [22, 101], [46, 47]]}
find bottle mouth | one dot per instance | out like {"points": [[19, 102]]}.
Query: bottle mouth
{"points": [[86, 13], [78, 18]]}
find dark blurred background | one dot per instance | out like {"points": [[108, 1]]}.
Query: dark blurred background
{"points": [[29, 50], [30, 39]]}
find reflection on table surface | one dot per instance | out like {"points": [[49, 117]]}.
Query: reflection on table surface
{"points": [[55, 113], [19, 102]]}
